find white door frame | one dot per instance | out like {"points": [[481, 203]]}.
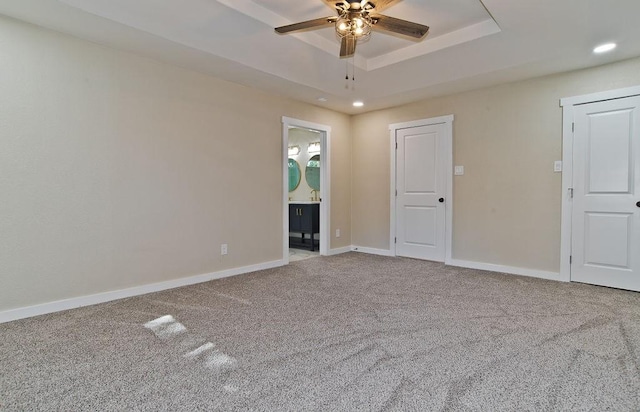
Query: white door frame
{"points": [[448, 205], [325, 183], [568, 118]]}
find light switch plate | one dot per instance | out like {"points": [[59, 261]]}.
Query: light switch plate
{"points": [[557, 166], [458, 170]]}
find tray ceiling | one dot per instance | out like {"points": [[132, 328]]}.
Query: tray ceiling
{"points": [[471, 43]]}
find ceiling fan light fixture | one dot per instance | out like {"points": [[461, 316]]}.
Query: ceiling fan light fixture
{"points": [[354, 24]]}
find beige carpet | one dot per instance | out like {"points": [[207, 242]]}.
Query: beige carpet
{"points": [[348, 332]]}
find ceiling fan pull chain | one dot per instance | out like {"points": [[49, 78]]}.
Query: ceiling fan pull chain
{"points": [[353, 74], [346, 77], [353, 69]]}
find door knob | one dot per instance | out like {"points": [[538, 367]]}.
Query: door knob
{"points": [[441, 200], [638, 204]]}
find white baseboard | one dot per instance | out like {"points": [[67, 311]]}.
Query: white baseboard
{"points": [[372, 251], [339, 251], [57, 306], [534, 273]]}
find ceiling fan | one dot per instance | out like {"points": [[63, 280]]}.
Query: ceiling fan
{"points": [[355, 20]]}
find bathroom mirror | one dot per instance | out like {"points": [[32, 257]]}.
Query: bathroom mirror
{"points": [[294, 174], [312, 172]]}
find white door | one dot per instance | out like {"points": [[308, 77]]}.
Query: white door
{"points": [[606, 204], [421, 186]]}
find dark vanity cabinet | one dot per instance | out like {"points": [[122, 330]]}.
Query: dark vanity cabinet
{"points": [[304, 218]]}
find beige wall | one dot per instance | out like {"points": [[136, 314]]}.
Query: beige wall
{"points": [[118, 171], [507, 205]]}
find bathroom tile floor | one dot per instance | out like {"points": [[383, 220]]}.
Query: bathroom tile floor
{"points": [[301, 254]]}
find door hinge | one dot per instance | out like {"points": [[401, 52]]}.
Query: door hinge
{"points": [[570, 260], [396, 145], [571, 192], [396, 192], [395, 240], [573, 127]]}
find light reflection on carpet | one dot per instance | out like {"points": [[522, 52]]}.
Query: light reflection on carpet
{"points": [[168, 328]]}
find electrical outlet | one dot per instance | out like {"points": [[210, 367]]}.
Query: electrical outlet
{"points": [[224, 249], [458, 171], [337, 232]]}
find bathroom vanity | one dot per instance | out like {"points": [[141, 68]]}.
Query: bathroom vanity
{"points": [[304, 218]]}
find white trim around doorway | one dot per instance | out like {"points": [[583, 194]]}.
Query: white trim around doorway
{"points": [[393, 128], [568, 117], [325, 183]]}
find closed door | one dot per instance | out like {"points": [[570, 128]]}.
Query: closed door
{"points": [[421, 186], [606, 200]]}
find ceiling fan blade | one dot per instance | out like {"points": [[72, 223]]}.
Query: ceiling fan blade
{"points": [[310, 24], [348, 46], [399, 26], [380, 5]]}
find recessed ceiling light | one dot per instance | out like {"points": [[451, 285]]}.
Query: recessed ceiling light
{"points": [[358, 104], [604, 48], [322, 99]]}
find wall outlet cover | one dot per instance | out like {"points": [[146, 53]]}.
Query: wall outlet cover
{"points": [[557, 166], [458, 170], [337, 232]]}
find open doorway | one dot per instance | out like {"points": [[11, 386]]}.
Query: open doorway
{"points": [[306, 189]]}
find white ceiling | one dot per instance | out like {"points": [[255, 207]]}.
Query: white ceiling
{"points": [[471, 43]]}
